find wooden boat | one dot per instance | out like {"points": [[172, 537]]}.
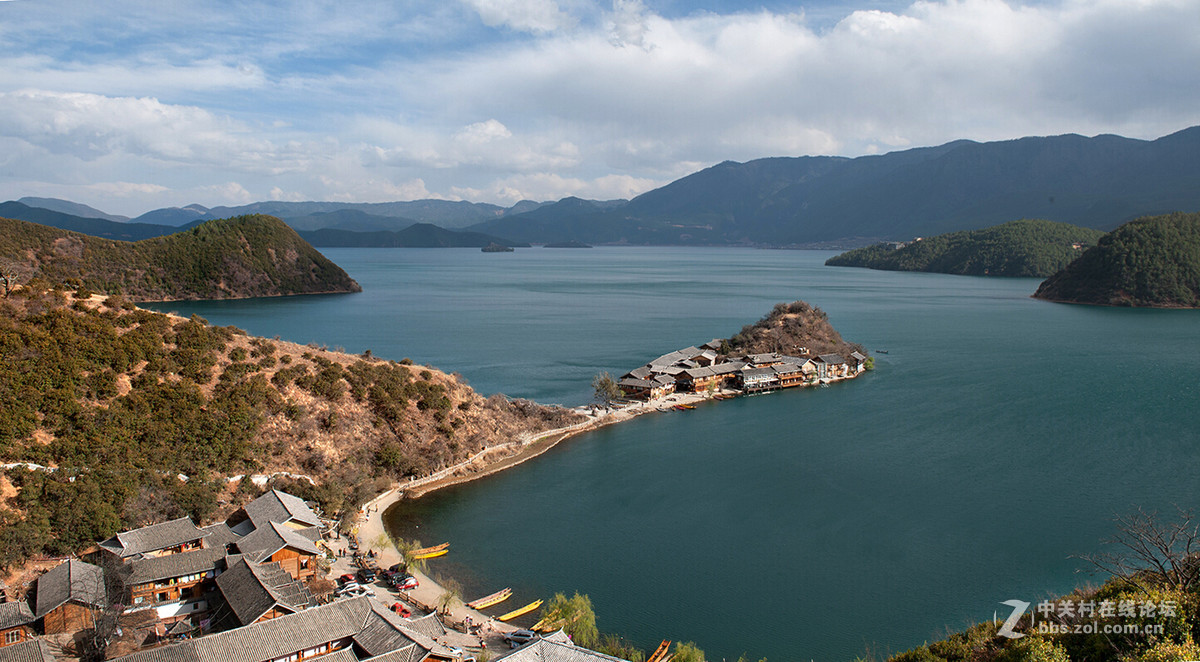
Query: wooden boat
{"points": [[660, 652], [518, 612], [881, 351], [489, 600], [430, 552]]}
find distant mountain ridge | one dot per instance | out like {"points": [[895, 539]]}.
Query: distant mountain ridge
{"points": [[1097, 182]]}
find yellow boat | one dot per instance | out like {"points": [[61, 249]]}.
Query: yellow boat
{"points": [[523, 610], [429, 550], [431, 555], [489, 600]]}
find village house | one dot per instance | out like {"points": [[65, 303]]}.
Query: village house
{"points": [[831, 366], [173, 537], [342, 631], [290, 548], [260, 591], [557, 647], [68, 597], [16, 623], [177, 586], [279, 507]]}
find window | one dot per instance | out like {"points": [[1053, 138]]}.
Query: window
{"points": [[12, 637]]}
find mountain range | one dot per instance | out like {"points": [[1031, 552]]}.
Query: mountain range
{"points": [[1097, 182]]}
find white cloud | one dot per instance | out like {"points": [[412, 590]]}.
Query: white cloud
{"points": [[537, 16], [551, 186], [126, 189]]}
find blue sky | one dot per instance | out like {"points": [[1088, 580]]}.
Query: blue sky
{"points": [[129, 106]]}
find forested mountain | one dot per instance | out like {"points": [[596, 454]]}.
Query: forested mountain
{"points": [[1016, 248], [1153, 262], [247, 256]]}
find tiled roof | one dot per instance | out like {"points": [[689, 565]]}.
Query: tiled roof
{"points": [[273, 638], [831, 359], [546, 650], [372, 641], [281, 507], [266, 540], [252, 589], [154, 537], [343, 655], [410, 653], [158, 568], [72, 580], [857, 356], [219, 535], [13, 614], [429, 625], [636, 383], [31, 650]]}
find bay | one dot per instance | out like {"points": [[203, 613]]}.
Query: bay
{"points": [[996, 439]]}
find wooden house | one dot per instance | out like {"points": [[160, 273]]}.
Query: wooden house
{"points": [[16, 623], [68, 597], [177, 586], [831, 366], [797, 373], [173, 537], [260, 591], [290, 548]]}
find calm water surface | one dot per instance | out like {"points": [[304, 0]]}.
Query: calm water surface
{"points": [[997, 438]]}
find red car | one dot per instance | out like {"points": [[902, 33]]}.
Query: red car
{"points": [[403, 611], [346, 578]]}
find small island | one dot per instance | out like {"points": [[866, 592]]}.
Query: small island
{"points": [[497, 248], [1016, 249], [567, 244], [794, 345], [1151, 262]]}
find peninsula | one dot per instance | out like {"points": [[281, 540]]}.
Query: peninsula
{"points": [[232, 258], [1151, 262], [1017, 248]]}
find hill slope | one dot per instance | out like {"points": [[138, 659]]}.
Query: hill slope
{"points": [[96, 227], [1152, 262], [248, 256], [1096, 182], [1016, 248], [121, 401]]}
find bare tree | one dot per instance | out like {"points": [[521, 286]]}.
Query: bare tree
{"points": [[1153, 553], [606, 389], [11, 272]]}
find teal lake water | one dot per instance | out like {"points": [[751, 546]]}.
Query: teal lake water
{"points": [[997, 438]]}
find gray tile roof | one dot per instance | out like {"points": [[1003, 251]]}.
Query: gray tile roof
{"points": [[410, 653], [70, 581], [831, 359], [638, 373], [13, 614], [252, 589], [546, 650], [154, 537], [429, 625], [158, 568], [281, 507], [273, 638], [636, 383], [31, 650], [266, 540], [372, 641], [219, 535], [343, 655]]}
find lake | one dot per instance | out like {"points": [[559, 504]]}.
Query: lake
{"points": [[996, 438]]}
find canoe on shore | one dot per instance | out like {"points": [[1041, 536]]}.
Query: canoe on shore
{"points": [[660, 652], [489, 600], [518, 612], [430, 552]]}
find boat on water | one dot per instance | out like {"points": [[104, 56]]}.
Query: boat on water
{"points": [[660, 652], [519, 612], [431, 552], [489, 600], [881, 351]]}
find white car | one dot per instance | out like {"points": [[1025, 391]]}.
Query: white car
{"points": [[355, 591]]}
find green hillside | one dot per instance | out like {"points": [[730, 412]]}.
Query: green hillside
{"points": [[1152, 262], [1017, 248], [247, 256]]}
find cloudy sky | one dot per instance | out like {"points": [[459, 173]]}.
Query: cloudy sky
{"points": [[134, 105]]}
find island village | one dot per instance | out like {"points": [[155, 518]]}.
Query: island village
{"points": [[276, 582], [710, 370]]}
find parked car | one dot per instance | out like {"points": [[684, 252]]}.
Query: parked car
{"points": [[519, 637], [399, 578], [461, 654], [355, 591], [398, 567], [407, 584], [346, 579], [401, 610], [366, 575], [349, 585]]}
